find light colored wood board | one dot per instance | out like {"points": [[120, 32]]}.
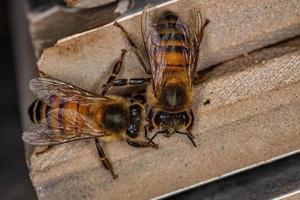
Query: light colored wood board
{"points": [[87, 3], [236, 27], [253, 118], [295, 195]]}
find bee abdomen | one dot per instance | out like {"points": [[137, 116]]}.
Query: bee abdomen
{"points": [[169, 28], [37, 111], [55, 113], [172, 41], [168, 35], [62, 114]]}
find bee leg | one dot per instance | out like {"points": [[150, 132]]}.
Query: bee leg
{"points": [[131, 81], [116, 69], [140, 143], [134, 48], [41, 149], [112, 81], [105, 160], [190, 136], [158, 132], [149, 140]]}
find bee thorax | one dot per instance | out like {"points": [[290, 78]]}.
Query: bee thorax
{"points": [[173, 97]]}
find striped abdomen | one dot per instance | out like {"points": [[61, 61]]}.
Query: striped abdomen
{"points": [[172, 43], [85, 117], [59, 114]]}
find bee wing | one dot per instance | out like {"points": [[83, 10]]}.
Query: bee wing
{"points": [[44, 88], [41, 134], [73, 120], [149, 34], [195, 32]]}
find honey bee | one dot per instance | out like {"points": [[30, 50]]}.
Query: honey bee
{"points": [[64, 113], [172, 47]]}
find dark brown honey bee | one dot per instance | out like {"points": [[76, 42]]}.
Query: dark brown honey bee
{"points": [[172, 47], [64, 113]]}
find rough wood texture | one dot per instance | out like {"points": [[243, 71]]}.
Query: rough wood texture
{"points": [[87, 3], [253, 118], [253, 115], [236, 27]]}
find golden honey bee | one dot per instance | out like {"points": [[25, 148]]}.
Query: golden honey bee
{"points": [[64, 113], [172, 47]]}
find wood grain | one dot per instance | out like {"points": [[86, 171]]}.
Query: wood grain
{"points": [[252, 118], [236, 27]]}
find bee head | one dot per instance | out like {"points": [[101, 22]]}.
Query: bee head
{"points": [[136, 117], [172, 121]]}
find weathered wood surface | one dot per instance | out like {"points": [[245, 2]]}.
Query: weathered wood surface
{"points": [[236, 27], [253, 115], [87, 3], [253, 118]]}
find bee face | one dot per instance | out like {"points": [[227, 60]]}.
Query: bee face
{"points": [[136, 118], [172, 120]]}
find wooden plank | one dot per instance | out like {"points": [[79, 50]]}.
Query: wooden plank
{"points": [[290, 196], [236, 27], [87, 3], [252, 118]]}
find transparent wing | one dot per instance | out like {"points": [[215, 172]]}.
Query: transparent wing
{"points": [[184, 43], [149, 34], [44, 88], [41, 134], [70, 120], [195, 32]]}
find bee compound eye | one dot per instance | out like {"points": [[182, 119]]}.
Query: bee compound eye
{"points": [[132, 131], [185, 117], [159, 118]]}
